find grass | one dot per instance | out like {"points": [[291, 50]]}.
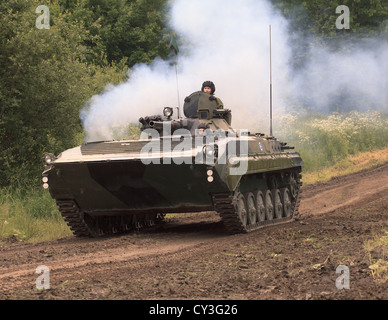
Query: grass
{"points": [[377, 249], [351, 164], [30, 217], [327, 140]]}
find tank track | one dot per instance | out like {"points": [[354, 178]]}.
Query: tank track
{"points": [[83, 225], [225, 205], [74, 217]]}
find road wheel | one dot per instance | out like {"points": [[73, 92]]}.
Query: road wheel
{"points": [[277, 203], [260, 206], [241, 209], [286, 197], [268, 202], [251, 208]]}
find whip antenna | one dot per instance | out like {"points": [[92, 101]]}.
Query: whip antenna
{"points": [[177, 85], [270, 83], [175, 49]]}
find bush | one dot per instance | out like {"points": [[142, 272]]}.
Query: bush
{"points": [[323, 140]]}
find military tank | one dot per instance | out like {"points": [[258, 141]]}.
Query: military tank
{"points": [[193, 163]]}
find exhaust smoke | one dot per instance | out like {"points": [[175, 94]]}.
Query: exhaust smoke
{"points": [[228, 43]]}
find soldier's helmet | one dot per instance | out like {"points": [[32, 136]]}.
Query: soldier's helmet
{"points": [[209, 84]]}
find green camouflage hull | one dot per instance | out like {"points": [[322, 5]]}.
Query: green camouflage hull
{"points": [[113, 186]]}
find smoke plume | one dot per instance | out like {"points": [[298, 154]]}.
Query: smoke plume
{"points": [[227, 42]]}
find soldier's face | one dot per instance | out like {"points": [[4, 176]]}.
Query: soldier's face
{"points": [[207, 89]]}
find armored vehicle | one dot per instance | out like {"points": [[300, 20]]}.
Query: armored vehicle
{"points": [[193, 163]]}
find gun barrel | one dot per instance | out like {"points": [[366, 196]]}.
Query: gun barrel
{"points": [[158, 125]]}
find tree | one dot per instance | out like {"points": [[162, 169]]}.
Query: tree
{"points": [[318, 17], [133, 30], [44, 81]]}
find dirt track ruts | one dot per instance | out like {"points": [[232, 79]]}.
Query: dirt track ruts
{"points": [[191, 257]]}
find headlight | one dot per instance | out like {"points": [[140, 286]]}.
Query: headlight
{"points": [[210, 152], [210, 177], [45, 181], [167, 112], [48, 158]]}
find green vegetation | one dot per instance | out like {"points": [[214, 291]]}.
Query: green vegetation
{"points": [[46, 76], [376, 248], [313, 24], [315, 17], [132, 31], [326, 139], [30, 217]]}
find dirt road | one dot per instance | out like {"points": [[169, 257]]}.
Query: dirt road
{"points": [[191, 257]]}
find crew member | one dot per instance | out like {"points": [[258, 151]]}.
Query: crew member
{"points": [[209, 87]]}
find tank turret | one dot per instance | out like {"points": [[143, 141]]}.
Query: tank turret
{"points": [[201, 110]]}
